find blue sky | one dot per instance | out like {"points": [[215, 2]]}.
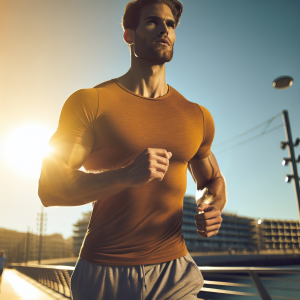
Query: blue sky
{"points": [[227, 54]]}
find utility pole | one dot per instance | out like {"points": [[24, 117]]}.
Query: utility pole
{"points": [[27, 246], [42, 227], [41, 236], [291, 159]]}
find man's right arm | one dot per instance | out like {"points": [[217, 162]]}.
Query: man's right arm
{"points": [[62, 184]]}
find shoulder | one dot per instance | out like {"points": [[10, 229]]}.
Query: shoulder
{"points": [[194, 105], [106, 84], [174, 92], [83, 98], [206, 113], [84, 94], [82, 104], [208, 121]]}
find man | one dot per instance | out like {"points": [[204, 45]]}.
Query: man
{"points": [[135, 135], [2, 264]]}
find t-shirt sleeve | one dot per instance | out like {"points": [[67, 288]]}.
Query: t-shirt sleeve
{"points": [[76, 122], [208, 134]]}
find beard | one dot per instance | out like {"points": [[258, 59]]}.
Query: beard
{"points": [[152, 51]]}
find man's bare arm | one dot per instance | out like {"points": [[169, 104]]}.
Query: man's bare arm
{"points": [[211, 187], [211, 195], [61, 184]]}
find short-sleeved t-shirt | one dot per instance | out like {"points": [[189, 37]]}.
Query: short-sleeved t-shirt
{"points": [[139, 225]]}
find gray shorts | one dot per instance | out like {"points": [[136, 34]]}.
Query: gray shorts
{"points": [[176, 279]]}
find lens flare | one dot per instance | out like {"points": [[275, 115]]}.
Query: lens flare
{"points": [[25, 148]]}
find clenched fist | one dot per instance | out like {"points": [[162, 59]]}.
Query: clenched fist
{"points": [[151, 164], [208, 220]]}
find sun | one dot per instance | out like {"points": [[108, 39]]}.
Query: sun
{"points": [[25, 147]]}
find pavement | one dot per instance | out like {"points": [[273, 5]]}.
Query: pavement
{"points": [[17, 286]]}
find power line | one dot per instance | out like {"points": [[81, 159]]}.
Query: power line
{"points": [[251, 139], [267, 122]]}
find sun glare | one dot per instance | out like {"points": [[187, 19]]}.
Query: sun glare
{"points": [[25, 147], [21, 287]]}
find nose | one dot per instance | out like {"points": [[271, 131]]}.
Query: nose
{"points": [[164, 29]]}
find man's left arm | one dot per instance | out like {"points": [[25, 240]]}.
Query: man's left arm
{"points": [[211, 194]]}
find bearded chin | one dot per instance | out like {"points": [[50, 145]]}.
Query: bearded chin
{"points": [[154, 54]]}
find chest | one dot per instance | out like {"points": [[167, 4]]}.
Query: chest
{"points": [[124, 130]]}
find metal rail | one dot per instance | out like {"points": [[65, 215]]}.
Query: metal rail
{"points": [[57, 278], [251, 274]]}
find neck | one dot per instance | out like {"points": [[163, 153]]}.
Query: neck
{"points": [[145, 78]]}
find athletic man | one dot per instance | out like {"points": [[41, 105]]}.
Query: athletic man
{"points": [[135, 135], [2, 265]]}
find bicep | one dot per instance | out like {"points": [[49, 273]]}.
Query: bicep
{"points": [[64, 157], [204, 170], [72, 154], [74, 137]]}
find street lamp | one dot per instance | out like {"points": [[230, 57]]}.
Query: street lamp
{"points": [[288, 178], [285, 161], [291, 159], [283, 82], [283, 145]]}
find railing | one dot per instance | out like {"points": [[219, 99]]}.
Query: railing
{"points": [[243, 274], [57, 278], [236, 252]]}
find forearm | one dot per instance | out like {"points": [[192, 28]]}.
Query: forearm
{"points": [[214, 193], [73, 187]]}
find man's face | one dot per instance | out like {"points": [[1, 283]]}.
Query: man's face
{"points": [[155, 34]]}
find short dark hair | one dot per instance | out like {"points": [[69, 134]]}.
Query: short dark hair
{"points": [[132, 12]]}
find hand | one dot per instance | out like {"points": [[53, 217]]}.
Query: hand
{"points": [[151, 164], [208, 221]]}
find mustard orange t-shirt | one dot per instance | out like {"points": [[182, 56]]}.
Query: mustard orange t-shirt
{"points": [[139, 225]]}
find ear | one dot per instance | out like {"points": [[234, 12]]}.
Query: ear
{"points": [[128, 36]]}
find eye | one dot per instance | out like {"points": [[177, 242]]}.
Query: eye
{"points": [[171, 24], [152, 21]]}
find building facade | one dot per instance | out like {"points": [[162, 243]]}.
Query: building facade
{"points": [[13, 243], [278, 234], [24, 246]]}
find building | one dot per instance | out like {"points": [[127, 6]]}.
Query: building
{"points": [[278, 234], [79, 230], [13, 243], [55, 246], [24, 246]]}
